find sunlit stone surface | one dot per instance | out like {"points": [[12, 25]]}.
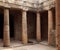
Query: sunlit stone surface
{"points": [[31, 47]]}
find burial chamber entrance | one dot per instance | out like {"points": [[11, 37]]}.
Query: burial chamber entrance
{"points": [[31, 26], [15, 25], [1, 24], [44, 26]]}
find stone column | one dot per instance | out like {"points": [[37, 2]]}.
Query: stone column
{"points": [[24, 27], [6, 34], [38, 28], [50, 25], [58, 24]]}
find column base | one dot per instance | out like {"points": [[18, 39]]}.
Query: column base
{"points": [[6, 45]]}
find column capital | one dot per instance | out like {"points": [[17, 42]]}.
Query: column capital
{"points": [[6, 8], [25, 9], [49, 9], [38, 14]]}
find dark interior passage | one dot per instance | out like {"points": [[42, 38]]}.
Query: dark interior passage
{"points": [[54, 18], [1, 25], [31, 21], [44, 26], [16, 24], [11, 25]]}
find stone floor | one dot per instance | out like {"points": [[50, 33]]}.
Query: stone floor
{"points": [[31, 47], [17, 45]]}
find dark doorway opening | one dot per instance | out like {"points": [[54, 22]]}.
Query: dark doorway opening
{"points": [[44, 26], [54, 18], [15, 27], [15, 24], [31, 25], [11, 18], [1, 25]]}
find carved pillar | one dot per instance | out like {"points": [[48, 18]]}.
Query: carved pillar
{"points": [[38, 29], [58, 24], [50, 25], [24, 27], [6, 28]]}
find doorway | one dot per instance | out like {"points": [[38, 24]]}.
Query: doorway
{"points": [[15, 27], [1, 24], [31, 25], [15, 24], [44, 26], [11, 21]]}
